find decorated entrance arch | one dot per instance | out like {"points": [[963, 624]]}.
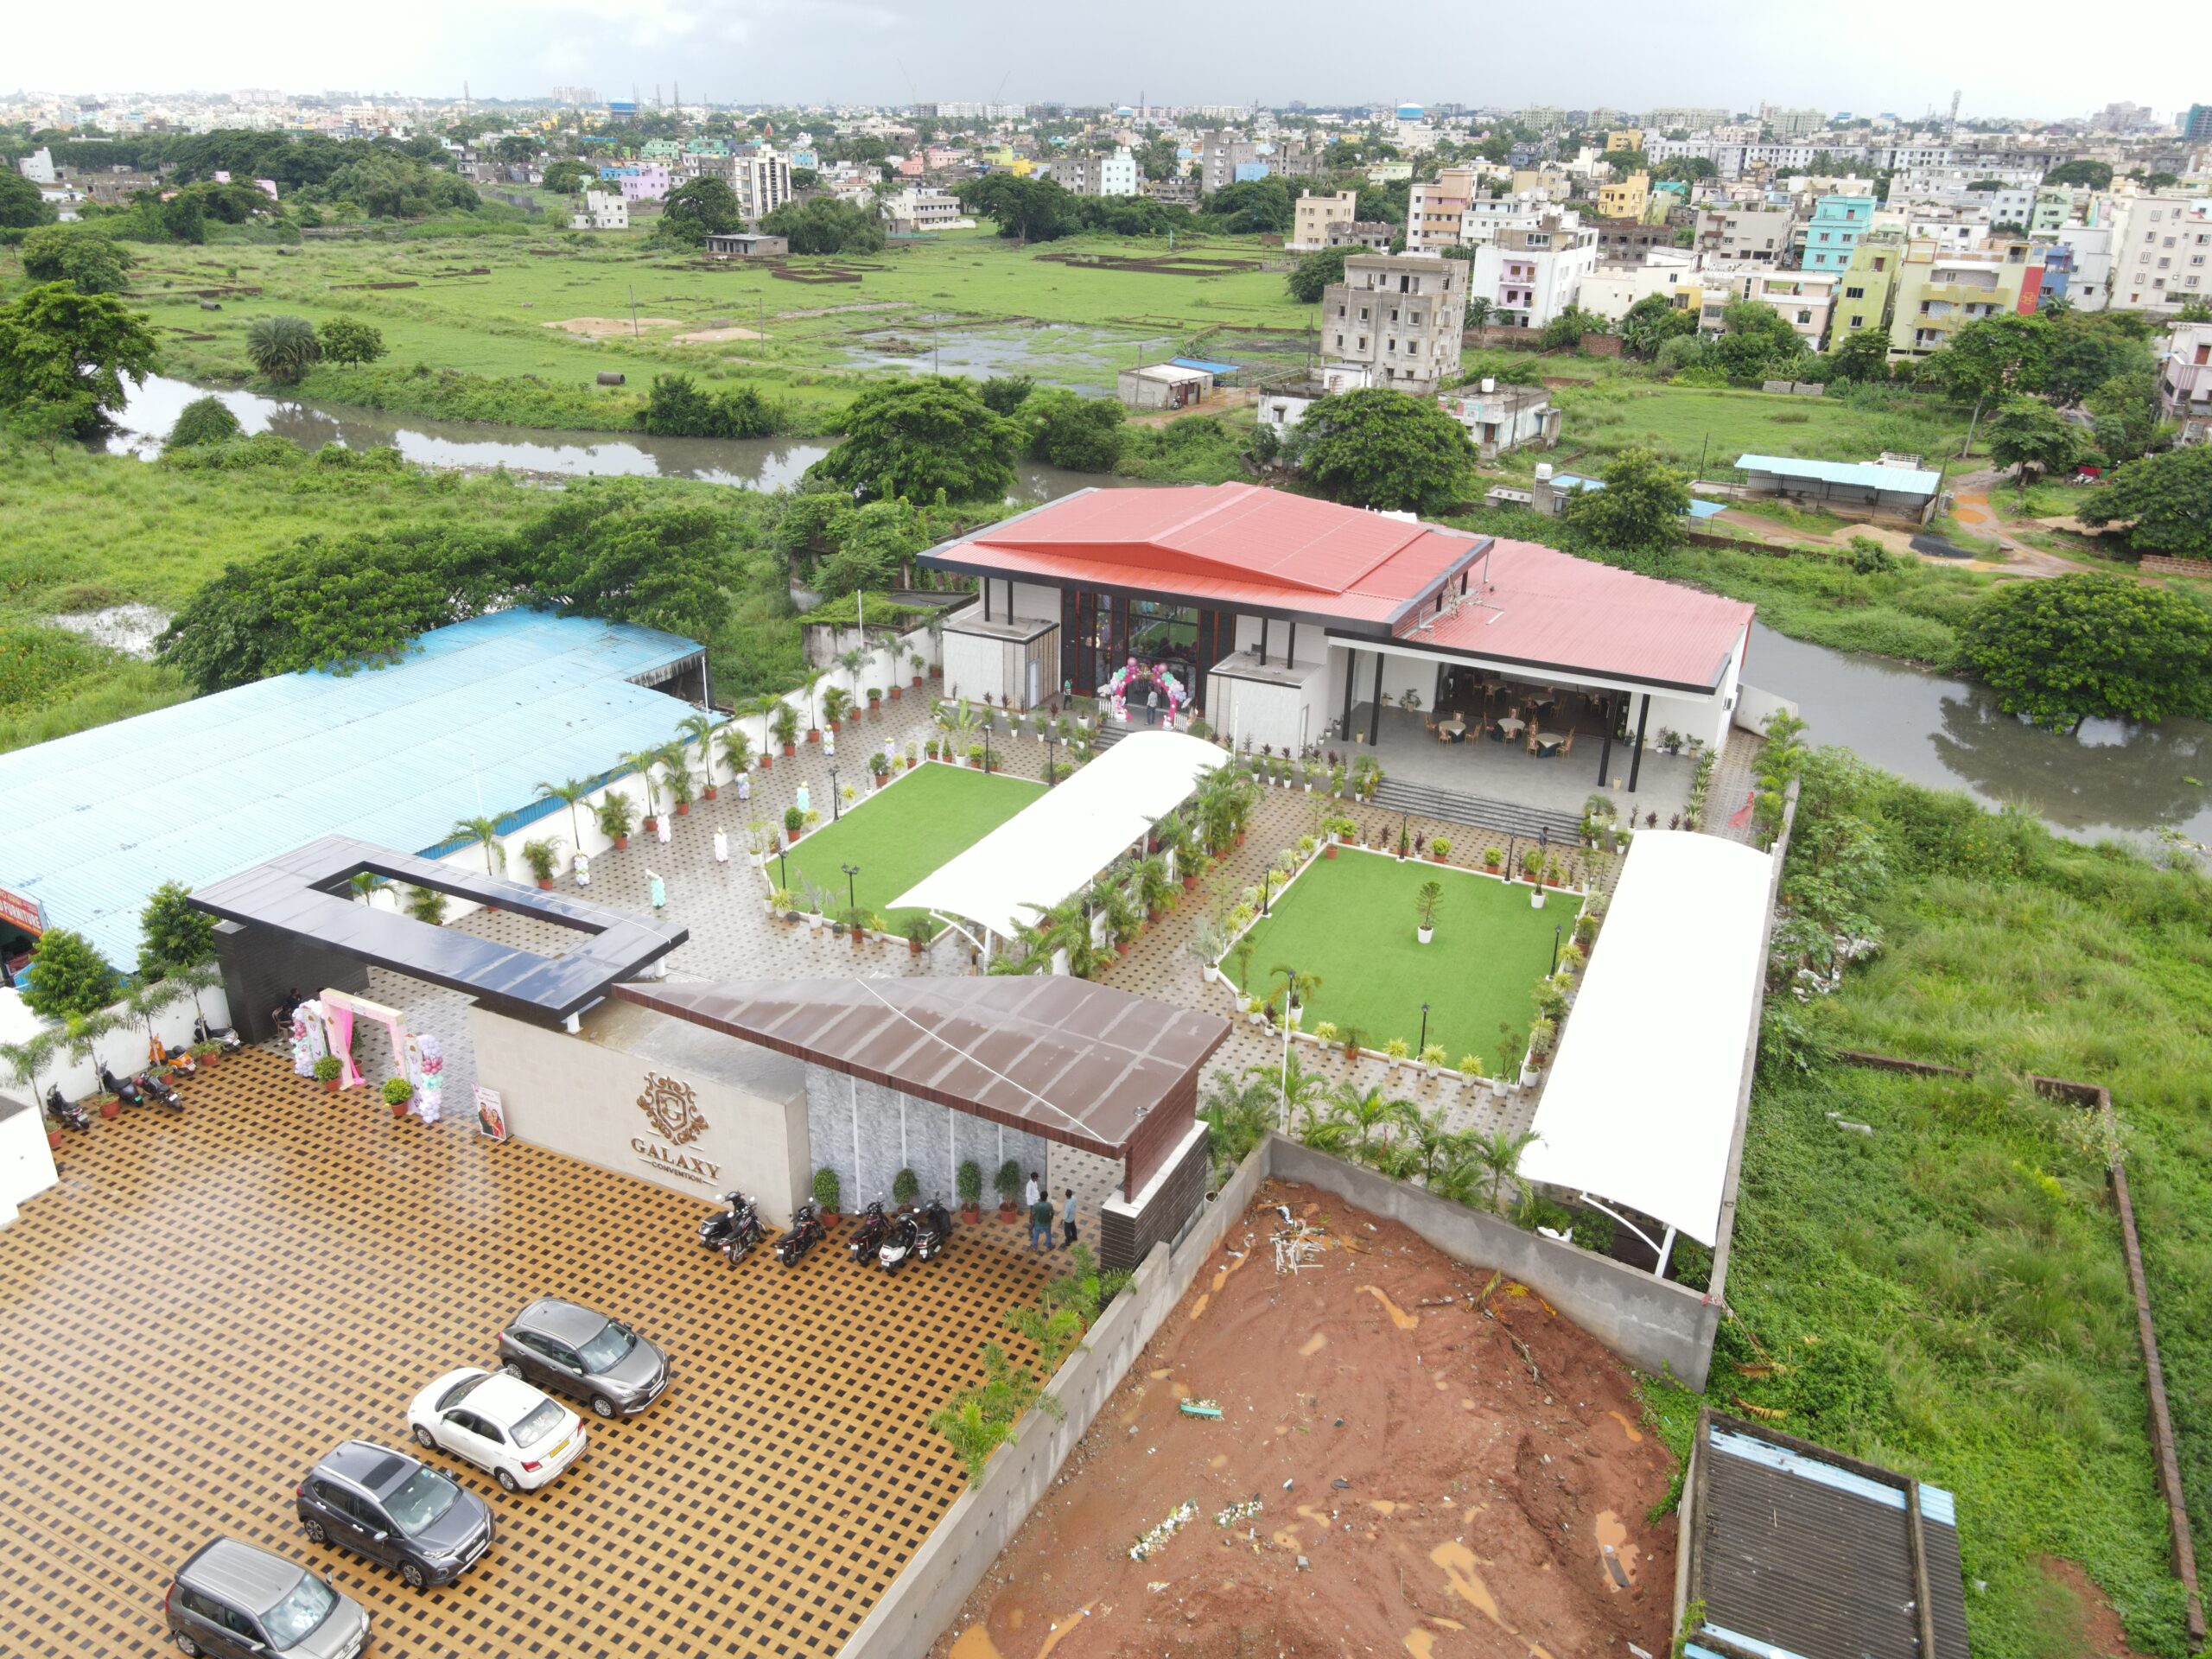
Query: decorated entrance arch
{"points": [[1135, 673]]}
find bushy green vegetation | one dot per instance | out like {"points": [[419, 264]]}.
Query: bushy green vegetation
{"points": [[1946, 1294], [1681, 424]]}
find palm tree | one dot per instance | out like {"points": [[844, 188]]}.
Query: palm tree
{"points": [[812, 677], [1238, 1115], [1429, 1142], [702, 729], [1498, 1154], [484, 831], [23, 1061], [1362, 1110], [854, 661], [364, 884], [571, 793], [736, 747], [283, 348], [1288, 983], [642, 761], [676, 772]]}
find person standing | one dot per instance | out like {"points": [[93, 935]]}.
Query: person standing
{"points": [[1030, 1192], [1040, 1223], [1151, 706], [1067, 1219]]}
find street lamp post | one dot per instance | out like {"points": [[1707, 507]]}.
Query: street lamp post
{"points": [[1051, 767], [1290, 1001], [852, 895], [1267, 882], [1424, 1031], [835, 798], [1555, 933], [783, 869]]}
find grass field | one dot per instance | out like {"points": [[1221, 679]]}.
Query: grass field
{"points": [[1351, 920], [1684, 424], [900, 833], [1946, 1294], [495, 323]]}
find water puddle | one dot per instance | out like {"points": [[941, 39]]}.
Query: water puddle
{"points": [[1180, 1390], [1061, 1627], [1399, 1317], [1199, 1306], [975, 1643], [1459, 1563], [1635, 1434], [1614, 1549], [1382, 1506], [1312, 1345], [1421, 1644], [1219, 1460], [1159, 1375]]}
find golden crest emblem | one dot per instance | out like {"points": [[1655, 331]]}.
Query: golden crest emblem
{"points": [[672, 1108]]}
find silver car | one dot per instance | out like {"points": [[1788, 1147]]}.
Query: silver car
{"points": [[238, 1602], [565, 1348]]}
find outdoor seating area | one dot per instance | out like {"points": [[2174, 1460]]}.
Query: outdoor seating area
{"points": [[1539, 720], [1516, 751]]}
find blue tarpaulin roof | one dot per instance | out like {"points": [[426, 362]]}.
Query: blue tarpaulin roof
{"points": [[1202, 363], [96, 820], [1864, 475]]}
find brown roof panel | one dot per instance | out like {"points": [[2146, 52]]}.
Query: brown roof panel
{"points": [[1058, 1057]]}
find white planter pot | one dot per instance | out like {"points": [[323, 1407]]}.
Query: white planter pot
{"points": [[1536, 898], [1210, 971], [1424, 934]]}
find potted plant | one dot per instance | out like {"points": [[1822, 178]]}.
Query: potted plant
{"points": [[976, 755], [1352, 1036], [613, 815], [905, 1187], [880, 765], [968, 1181], [1431, 1058], [794, 826], [1398, 1051], [1471, 1067], [1554, 872], [874, 701], [53, 1126], [398, 1092], [785, 725], [1008, 1183], [1426, 905], [543, 856], [825, 1194], [1492, 857], [917, 663], [917, 935], [1440, 849], [857, 922], [1540, 1033], [1532, 862], [737, 749], [929, 749], [207, 1055], [107, 1105], [327, 1071]]}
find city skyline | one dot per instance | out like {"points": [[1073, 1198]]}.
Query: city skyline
{"points": [[988, 50]]}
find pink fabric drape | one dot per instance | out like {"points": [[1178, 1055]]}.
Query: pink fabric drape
{"points": [[340, 1021]]}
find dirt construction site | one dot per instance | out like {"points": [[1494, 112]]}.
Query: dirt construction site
{"points": [[1410, 1457]]}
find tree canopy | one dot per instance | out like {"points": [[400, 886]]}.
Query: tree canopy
{"points": [[701, 207], [916, 436], [2064, 649], [1252, 207], [1376, 448], [204, 420], [69, 354], [1642, 505], [1314, 272], [171, 933], [1083, 435], [2028, 433], [1651, 322], [825, 225], [1033, 209], [2165, 499], [20, 205], [349, 341], [88, 260], [67, 976]]}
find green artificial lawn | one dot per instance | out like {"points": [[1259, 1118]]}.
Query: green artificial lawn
{"points": [[899, 834], [1351, 920]]}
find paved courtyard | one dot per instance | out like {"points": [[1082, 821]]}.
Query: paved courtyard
{"points": [[210, 1302]]}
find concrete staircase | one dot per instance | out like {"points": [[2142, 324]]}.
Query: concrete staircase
{"points": [[1477, 811]]}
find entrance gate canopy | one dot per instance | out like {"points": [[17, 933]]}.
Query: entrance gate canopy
{"points": [[1047, 851]]}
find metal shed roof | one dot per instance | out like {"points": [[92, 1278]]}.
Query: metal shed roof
{"points": [[393, 756], [1861, 474]]}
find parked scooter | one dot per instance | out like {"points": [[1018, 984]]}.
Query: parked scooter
{"points": [[806, 1232], [176, 1060], [717, 1227], [123, 1089], [159, 1093], [70, 1114], [869, 1229], [222, 1036], [917, 1235]]}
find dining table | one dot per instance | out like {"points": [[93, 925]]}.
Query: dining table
{"points": [[1548, 742], [1512, 727]]}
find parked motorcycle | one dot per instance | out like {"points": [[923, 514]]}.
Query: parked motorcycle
{"points": [[806, 1232], [222, 1036], [152, 1087], [176, 1060], [917, 1235], [869, 1229], [70, 1114], [123, 1089], [741, 1238], [717, 1227]]}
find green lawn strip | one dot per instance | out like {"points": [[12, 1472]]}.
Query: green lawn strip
{"points": [[1351, 920], [1685, 424], [902, 833]]}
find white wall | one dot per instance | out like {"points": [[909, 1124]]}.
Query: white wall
{"points": [[124, 1050], [1030, 599], [26, 1161], [975, 663]]}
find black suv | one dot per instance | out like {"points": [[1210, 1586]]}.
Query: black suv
{"points": [[384, 1504], [565, 1348]]}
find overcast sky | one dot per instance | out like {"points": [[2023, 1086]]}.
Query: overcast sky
{"points": [[1876, 55]]}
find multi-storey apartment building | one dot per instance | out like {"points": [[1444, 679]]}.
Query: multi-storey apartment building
{"points": [[2185, 380], [1399, 317], [1312, 215], [1838, 226], [2162, 253], [1531, 276], [1939, 291]]}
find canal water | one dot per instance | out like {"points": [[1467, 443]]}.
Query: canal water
{"points": [[2109, 778]]}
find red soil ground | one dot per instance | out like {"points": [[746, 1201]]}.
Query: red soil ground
{"points": [[1468, 1474]]}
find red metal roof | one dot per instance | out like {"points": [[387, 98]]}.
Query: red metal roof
{"points": [[1226, 544], [1538, 605]]}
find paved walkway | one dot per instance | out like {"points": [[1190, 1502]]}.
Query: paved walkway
{"points": [[1731, 785]]}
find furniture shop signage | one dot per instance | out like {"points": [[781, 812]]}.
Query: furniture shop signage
{"points": [[17, 911], [671, 1111]]}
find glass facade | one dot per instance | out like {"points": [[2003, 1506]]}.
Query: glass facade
{"points": [[1104, 630]]}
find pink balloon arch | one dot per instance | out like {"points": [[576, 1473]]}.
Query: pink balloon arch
{"points": [[1116, 690]]}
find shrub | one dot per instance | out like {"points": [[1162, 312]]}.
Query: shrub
{"points": [[67, 976], [826, 1190], [1007, 1182], [328, 1069], [905, 1187], [968, 1181], [615, 815], [398, 1092], [204, 420]]}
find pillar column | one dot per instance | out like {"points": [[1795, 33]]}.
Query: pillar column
{"points": [[1636, 760]]}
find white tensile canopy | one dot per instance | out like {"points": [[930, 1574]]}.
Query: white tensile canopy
{"points": [[1641, 1106], [1047, 850]]}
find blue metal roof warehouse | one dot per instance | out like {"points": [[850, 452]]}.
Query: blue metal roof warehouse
{"points": [[193, 793]]}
